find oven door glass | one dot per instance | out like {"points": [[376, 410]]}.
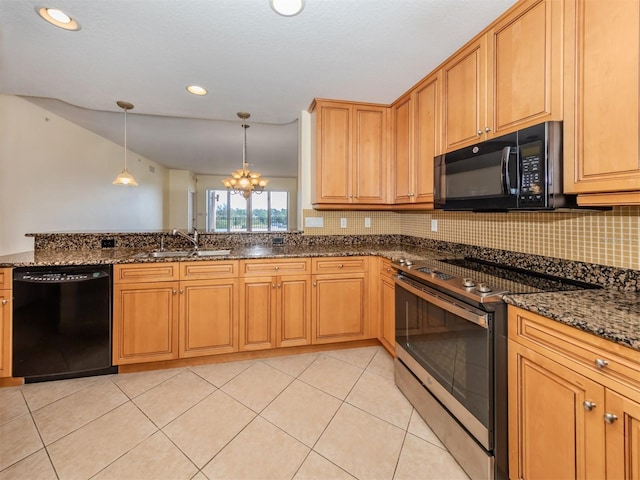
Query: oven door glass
{"points": [[453, 350]]}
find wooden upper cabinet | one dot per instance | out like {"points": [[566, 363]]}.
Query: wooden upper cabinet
{"points": [[602, 64], [464, 82], [508, 78], [416, 128], [350, 152], [525, 67]]}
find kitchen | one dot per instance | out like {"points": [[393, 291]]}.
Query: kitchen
{"points": [[607, 238]]}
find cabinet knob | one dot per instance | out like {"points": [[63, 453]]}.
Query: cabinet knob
{"points": [[479, 132], [600, 363], [610, 418], [181, 290], [273, 285], [279, 285], [487, 129], [314, 284], [341, 265], [588, 406], [4, 301], [277, 268], [175, 291]]}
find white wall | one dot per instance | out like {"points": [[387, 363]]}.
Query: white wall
{"points": [[56, 176], [182, 183], [214, 182]]}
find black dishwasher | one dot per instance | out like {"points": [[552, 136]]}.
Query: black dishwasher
{"points": [[61, 322]]}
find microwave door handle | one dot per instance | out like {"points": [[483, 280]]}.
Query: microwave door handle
{"points": [[506, 177]]}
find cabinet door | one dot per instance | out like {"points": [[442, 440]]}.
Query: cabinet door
{"points": [[145, 322], [623, 437], [293, 310], [208, 317], [257, 313], [388, 313], [602, 52], [339, 308], [369, 156], [5, 333], [403, 148], [551, 432], [464, 96], [333, 153], [427, 138], [525, 74]]}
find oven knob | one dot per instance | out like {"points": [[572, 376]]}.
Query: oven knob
{"points": [[468, 282], [408, 263], [484, 288]]}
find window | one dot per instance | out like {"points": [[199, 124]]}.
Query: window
{"points": [[265, 212]]}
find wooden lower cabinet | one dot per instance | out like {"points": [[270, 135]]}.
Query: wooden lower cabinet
{"points": [[208, 317], [6, 295], [574, 403], [340, 307], [275, 311], [387, 307], [145, 322]]}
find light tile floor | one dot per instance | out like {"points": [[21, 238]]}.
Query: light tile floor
{"points": [[328, 415]]}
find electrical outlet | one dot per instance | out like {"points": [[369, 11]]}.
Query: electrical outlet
{"points": [[434, 225], [367, 222], [343, 223], [108, 243]]}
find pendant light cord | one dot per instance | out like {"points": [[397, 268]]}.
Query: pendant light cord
{"points": [[125, 138]]}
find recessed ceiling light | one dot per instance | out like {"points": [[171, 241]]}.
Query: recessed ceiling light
{"points": [[58, 18], [197, 90], [287, 8]]}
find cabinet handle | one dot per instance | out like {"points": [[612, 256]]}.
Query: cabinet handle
{"points": [[588, 406], [314, 284], [279, 285], [487, 129], [4, 301], [181, 290], [479, 132], [600, 363], [610, 418], [175, 291], [277, 268], [273, 285], [341, 265]]}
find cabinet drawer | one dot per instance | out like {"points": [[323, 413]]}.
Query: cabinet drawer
{"points": [[5, 278], [274, 267], [340, 264], [385, 268], [583, 351], [208, 270], [145, 272]]}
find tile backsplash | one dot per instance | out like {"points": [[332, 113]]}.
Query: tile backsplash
{"points": [[606, 238]]}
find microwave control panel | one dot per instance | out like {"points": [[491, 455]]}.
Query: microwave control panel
{"points": [[532, 175]]}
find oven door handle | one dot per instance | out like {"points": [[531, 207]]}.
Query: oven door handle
{"points": [[480, 319]]}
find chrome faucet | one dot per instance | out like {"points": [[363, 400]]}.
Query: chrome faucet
{"points": [[193, 239]]}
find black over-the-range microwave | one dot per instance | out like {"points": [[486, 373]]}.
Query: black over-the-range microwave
{"points": [[517, 171]]}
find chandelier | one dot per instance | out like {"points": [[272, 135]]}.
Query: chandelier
{"points": [[244, 181]]}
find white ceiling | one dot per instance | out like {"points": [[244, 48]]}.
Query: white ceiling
{"points": [[248, 57]]}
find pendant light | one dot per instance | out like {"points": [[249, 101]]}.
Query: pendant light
{"points": [[244, 181], [125, 178]]}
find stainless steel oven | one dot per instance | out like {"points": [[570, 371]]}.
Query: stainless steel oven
{"points": [[451, 346], [446, 359]]}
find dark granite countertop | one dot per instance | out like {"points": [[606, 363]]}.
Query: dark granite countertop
{"points": [[608, 313]]}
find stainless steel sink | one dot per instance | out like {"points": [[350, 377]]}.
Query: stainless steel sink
{"points": [[212, 253], [170, 253], [186, 253]]}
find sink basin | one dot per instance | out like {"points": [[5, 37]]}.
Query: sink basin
{"points": [[212, 253], [170, 253]]}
